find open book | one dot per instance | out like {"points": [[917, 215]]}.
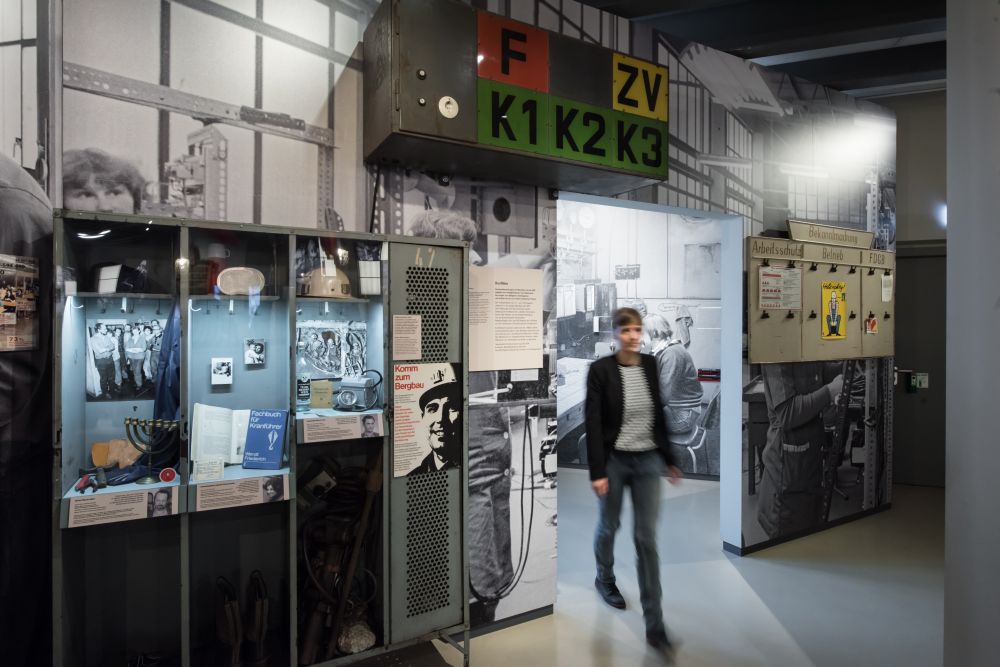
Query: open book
{"points": [[221, 433], [218, 433]]}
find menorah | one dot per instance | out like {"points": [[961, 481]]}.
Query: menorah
{"points": [[142, 434]]}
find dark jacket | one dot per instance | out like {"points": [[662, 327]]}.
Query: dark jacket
{"points": [[605, 406], [428, 465], [791, 487]]}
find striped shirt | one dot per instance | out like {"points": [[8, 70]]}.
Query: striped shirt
{"points": [[639, 415]]}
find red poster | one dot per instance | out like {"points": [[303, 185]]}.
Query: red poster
{"points": [[513, 53]]}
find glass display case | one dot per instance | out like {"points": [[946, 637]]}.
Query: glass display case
{"points": [[222, 453], [116, 313], [237, 400], [340, 428], [339, 339], [238, 377], [116, 492]]}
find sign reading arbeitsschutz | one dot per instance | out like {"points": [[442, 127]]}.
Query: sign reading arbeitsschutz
{"points": [[536, 95]]}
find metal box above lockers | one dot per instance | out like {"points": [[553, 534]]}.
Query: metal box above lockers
{"points": [[451, 89]]}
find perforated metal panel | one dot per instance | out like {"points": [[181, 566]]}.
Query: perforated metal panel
{"points": [[427, 295], [427, 557], [426, 587]]}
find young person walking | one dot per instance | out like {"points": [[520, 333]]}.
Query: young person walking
{"points": [[627, 446]]}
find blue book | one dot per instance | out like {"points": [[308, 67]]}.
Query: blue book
{"points": [[265, 439]]}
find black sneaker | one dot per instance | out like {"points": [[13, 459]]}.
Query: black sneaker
{"points": [[661, 643], [610, 594]]}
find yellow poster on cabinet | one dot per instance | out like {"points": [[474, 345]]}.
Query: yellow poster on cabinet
{"points": [[834, 321]]}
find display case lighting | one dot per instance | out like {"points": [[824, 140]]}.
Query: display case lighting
{"points": [[91, 237]]}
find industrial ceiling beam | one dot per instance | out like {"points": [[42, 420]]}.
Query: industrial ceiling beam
{"points": [[848, 44], [908, 64], [847, 49], [759, 29]]}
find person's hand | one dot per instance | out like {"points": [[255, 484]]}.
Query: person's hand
{"points": [[835, 388], [674, 475], [600, 487]]}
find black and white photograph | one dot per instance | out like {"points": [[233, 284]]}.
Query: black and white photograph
{"points": [[222, 370], [331, 348], [666, 266], [160, 502], [812, 454], [123, 358], [371, 426], [512, 500], [273, 488], [18, 298], [253, 352], [198, 145], [441, 421]]}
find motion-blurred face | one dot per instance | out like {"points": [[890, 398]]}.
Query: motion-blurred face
{"points": [[629, 337], [98, 196], [442, 419]]}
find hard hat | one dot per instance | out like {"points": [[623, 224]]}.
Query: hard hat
{"points": [[443, 382], [241, 280], [328, 280]]}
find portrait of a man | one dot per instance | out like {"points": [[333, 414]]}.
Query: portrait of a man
{"points": [[441, 420], [369, 427]]}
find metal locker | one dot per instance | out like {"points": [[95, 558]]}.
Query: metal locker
{"points": [[827, 266], [776, 336], [878, 300], [427, 558]]}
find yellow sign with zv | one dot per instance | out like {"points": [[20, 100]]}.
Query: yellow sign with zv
{"points": [[639, 87]]}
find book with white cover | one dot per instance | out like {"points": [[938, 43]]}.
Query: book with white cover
{"points": [[218, 433]]}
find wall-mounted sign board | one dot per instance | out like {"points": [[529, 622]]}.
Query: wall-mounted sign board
{"points": [[809, 301], [841, 236], [449, 88]]}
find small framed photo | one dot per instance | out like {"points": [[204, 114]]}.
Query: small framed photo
{"points": [[222, 370], [371, 426], [253, 351]]}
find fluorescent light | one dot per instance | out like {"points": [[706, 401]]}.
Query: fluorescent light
{"points": [[90, 237]]}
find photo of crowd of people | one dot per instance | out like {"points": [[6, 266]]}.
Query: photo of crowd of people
{"points": [[337, 349], [18, 293], [123, 358]]}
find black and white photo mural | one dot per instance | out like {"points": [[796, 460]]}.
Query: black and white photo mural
{"points": [[251, 111], [668, 267], [220, 111], [512, 413]]}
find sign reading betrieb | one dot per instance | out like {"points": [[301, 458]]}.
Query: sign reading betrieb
{"points": [[502, 99]]}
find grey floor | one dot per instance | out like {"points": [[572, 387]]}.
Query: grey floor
{"points": [[865, 593]]}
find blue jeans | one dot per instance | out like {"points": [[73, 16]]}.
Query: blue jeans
{"points": [[641, 473]]}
